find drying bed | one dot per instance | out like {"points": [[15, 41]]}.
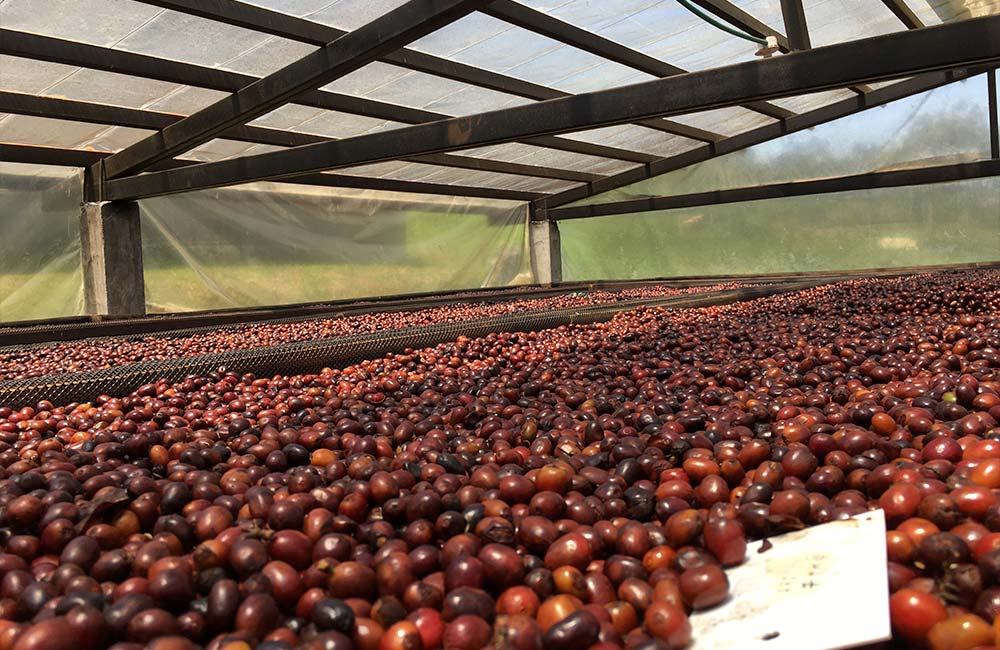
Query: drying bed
{"points": [[585, 486], [98, 353]]}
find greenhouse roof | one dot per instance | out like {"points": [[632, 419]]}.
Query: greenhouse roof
{"points": [[558, 99]]}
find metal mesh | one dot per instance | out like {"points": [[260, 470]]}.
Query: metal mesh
{"points": [[308, 356]]}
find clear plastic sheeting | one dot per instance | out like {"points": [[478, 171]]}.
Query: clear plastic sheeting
{"points": [[266, 244], [944, 125], [407, 171], [934, 12], [40, 268], [924, 225], [532, 155], [837, 21], [728, 121]]}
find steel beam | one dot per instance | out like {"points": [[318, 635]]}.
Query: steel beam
{"points": [[36, 155], [991, 81], [541, 23], [77, 111], [904, 13], [796, 28], [73, 53], [890, 56], [340, 57], [290, 27], [738, 18], [763, 134], [869, 181]]}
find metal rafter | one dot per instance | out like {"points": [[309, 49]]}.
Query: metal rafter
{"points": [[868, 181], [762, 134], [342, 56], [545, 25], [73, 53], [38, 155], [794, 16], [78, 111], [298, 29], [904, 13], [970, 42], [735, 16]]}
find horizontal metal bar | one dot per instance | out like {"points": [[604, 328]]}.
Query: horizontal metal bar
{"points": [[36, 155], [969, 42], [409, 22], [764, 133], [77, 111], [73, 53], [904, 13], [869, 181], [421, 187], [541, 23]]}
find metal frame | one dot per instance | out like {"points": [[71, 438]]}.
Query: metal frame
{"points": [[904, 13], [545, 25], [298, 29], [78, 111], [967, 43], [796, 29], [763, 134], [59, 157], [340, 57], [870, 181], [739, 18], [260, 19], [57, 50]]}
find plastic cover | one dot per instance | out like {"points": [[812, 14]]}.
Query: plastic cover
{"points": [[910, 226], [268, 243], [40, 269], [947, 124], [659, 28]]}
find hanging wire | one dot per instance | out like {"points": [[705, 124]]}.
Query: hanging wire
{"points": [[697, 11]]}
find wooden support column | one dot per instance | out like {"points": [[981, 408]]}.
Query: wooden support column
{"points": [[111, 248], [546, 251]]}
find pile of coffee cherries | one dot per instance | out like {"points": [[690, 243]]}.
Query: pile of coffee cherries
{"points": [[584, 487], [82, 356]]}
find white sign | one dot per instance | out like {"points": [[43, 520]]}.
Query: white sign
{"points": [[821, 588]]}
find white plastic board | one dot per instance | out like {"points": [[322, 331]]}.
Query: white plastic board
{"points": [[821, 588]]}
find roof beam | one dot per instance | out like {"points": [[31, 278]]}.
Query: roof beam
{"points": [[763, 134], [890, 56], [78, 111], [794, 16], [38, 155], [299, 29], [73, 53], [735, 16], [904, 13], [541, 23], [340, 57], [868, 181]]}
